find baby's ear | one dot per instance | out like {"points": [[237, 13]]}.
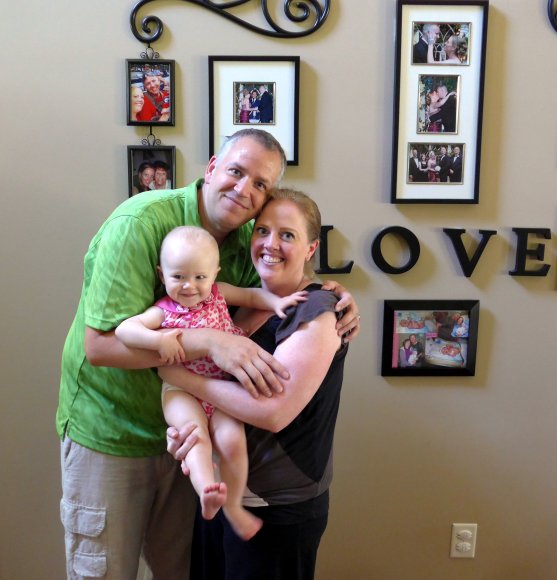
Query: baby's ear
{"points": [[159, 272]]}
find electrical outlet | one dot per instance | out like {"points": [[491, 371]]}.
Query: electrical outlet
{"points": [[463, 540]]}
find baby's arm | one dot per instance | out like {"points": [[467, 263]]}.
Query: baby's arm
{"points": [[141, 332], [259, 298]]}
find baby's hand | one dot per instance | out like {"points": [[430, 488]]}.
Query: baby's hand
{"points": [[170, 349], [291, 300]]}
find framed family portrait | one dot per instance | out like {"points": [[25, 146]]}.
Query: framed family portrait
{"points": [[255, 91], [438, 101], [430, 337], [151, 168], [150, 92]]}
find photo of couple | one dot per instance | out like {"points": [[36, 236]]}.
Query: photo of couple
{"points": [[150, 168], [440, 43], [149, 93], [438, 99], [254, 103]]}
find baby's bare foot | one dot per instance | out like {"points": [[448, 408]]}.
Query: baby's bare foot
{"points": [[212, 499], [243, 522]]}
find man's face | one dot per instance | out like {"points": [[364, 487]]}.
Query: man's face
{"points": [[262, 89], [415, 153], [442, 91], [160, 176], [236, 185], [443, 151], [435, 31], [457, 150], [152, 85]]}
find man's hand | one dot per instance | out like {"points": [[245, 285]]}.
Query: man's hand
{"points": [[179, 442], [254, 368], [348, 327]]}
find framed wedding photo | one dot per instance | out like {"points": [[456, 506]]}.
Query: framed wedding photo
{"points": [[255, 91], [151, 168], [430, 337], [438, 100], [150, 92]]}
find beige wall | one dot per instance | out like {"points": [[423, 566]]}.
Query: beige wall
{"points": [[413, 455]]}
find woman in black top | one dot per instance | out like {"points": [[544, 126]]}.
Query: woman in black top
{"points": [[290, 435]]}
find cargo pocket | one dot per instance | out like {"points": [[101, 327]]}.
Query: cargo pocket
{"points": [[84, 549]]}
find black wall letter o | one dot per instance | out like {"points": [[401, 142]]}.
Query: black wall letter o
{"points": [[410, 239]]}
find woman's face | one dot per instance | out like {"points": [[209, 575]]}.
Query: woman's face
{"points": [[137, 99], [450, 45], [434, 96], [280, 246], [160, 176], [146, 176]]}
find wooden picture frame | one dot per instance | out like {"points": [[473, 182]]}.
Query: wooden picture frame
{"points": [[150, 92], [430, 337], [146, 166]]}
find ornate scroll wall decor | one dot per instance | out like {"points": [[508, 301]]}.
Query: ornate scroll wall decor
{"points": [[312, 12], [552, 13]]}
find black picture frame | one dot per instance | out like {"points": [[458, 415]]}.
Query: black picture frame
{"points": [[438, 102], [229, 76], [430, 337], [155, 156], [156, 109]]}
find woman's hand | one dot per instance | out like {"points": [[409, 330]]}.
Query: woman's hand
{"points": [[348, 327]]}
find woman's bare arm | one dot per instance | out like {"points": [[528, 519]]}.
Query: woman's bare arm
{"points": [[306, 371]]}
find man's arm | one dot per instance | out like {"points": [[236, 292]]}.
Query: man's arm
{"points": [[256, 370], [103, 349]]}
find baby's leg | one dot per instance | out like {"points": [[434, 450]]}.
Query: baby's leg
{"points": [[229, 440], [179, 408]]}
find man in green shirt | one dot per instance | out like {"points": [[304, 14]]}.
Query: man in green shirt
{"points": [[122, 493]]}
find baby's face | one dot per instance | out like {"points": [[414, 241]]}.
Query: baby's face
{"points": [[189, 275]]}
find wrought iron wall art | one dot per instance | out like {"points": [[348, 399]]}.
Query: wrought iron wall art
{"points": [[552, 13], [312, 12]]}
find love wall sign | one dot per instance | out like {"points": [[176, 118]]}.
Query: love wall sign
{"points": [[529, 252]]}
